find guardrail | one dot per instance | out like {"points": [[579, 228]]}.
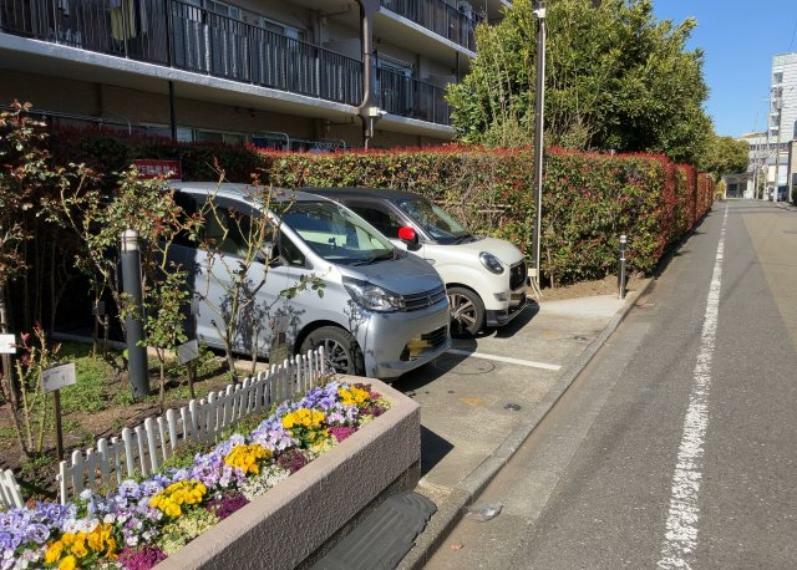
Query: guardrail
{"points": [[402, 95], [452, 23], [143, 449], [177, 34]]}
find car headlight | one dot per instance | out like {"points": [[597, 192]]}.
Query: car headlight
{"points": [[491, 262], [372, 297]]}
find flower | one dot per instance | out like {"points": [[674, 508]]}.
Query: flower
{"points": [[247, 458], [341, 432], [292, 460], [141, 559], [354, 395], [227, 504], [179, 532], [171, 500], [303, 418]]}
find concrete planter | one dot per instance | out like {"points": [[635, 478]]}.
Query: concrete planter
{"points": [[291, 521]]}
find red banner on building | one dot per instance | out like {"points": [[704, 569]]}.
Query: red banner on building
{"points": [[153, 168]]}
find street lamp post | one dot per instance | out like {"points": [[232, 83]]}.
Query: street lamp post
{"points": [[539, 126]]}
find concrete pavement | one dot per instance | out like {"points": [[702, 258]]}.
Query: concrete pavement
{"points": [[598, 483]]}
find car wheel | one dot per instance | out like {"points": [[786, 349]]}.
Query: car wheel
{"points": [[341, 351], [467, 311]]}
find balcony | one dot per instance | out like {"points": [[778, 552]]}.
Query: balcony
{"points": [[408, 97], [439, 17], [183, 36]]}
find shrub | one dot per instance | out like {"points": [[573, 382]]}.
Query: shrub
{"points": [[589, 198]]}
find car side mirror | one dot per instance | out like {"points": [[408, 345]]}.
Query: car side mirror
{"points": [[408, 235]]}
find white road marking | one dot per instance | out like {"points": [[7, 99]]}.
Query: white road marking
{"points": [[508, 360], [680, 538]]}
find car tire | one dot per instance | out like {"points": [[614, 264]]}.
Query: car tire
{"points": [[341, 350], [467, 311]]}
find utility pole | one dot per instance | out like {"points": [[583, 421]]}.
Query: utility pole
{"points": [[539, 126]]}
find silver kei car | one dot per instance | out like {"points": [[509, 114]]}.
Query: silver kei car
{"points": [[382, 313]]}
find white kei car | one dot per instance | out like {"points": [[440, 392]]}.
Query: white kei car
{"points": [[486, 278]]}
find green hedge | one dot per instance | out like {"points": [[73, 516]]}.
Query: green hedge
{"points": [[589, 199]]}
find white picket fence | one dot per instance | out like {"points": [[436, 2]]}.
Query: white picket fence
{"points": [[10, 494], [143, 449]]}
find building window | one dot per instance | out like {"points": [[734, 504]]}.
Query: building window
{"points": [[777, 78]]}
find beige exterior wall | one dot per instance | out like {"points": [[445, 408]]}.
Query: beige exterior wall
{"points": [[119, 104]]}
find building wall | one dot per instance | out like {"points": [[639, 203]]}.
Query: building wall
{"points": [[784, 100]]}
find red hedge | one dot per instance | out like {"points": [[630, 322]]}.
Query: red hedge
{"points": [[589, 198]]}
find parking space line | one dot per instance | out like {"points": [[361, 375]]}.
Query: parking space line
{"points": [[506, 359]]}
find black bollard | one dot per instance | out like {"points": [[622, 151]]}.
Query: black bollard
{"points": [[137, 368]]}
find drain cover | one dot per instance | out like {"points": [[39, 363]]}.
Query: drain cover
{"points": [[382, 538]]}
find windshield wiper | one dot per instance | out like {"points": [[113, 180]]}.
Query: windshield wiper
{"points": [[462, 238]]}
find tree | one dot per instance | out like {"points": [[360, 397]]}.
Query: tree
{"points": [[617, 79], [724, 155]]}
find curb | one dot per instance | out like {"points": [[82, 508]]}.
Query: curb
{"points": [[450, 511]]}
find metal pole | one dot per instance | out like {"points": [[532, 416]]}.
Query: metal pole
{"points": [[137, 368], [622, 276], [172, 116], [539, 125]]}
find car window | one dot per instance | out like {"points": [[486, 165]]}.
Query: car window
{"points": [[229, 229], [337, 234], [189, 206], [380, 217], [438, 223], [290, 252]]}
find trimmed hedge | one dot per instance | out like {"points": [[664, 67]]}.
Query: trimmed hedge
{"points": [[589, 198]]}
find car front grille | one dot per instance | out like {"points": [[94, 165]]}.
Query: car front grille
{"points": [[420, 301], [517, 275], [424, 343]]}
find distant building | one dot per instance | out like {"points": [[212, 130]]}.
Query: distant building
{"points": [[742, 184], [782, 118]]}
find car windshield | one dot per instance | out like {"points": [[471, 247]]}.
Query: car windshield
{"points": [[438, 223], [336, 234]]}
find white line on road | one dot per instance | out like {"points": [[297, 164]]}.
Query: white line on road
{"points": [[508, 360], [680, 538]]}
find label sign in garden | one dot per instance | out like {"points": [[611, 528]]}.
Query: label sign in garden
{"points": [[58, 377], [8, 344], [188, 351]]}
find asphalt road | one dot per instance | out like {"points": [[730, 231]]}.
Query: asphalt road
{"points": [[677, 447]]}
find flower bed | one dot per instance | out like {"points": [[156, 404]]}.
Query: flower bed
{"points": [[141, 523]]}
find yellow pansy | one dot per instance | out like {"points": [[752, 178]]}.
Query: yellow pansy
{"points": [[68, 563]]}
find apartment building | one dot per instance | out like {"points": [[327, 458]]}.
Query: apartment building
{"points": [[292, 74], [782, 123]]}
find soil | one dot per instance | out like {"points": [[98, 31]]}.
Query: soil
{"points": [[37, 475], [606, 286]]}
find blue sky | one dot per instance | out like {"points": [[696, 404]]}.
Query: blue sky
{"points": [[739, 39]]}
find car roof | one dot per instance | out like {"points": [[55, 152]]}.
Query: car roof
{"points": [[361, 192], [236, 191]]}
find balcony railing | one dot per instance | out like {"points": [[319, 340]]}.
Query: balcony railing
{"points": [[408, 97], [177, 34], [438, 16]]}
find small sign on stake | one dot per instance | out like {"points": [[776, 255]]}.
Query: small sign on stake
{"points": [[53, 379], [8, 344], [188, 351]]}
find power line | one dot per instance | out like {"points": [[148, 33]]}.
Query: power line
{"points": [[793, 35]]}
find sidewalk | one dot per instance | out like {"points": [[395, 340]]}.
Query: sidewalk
{"points": [[481, 400]]}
